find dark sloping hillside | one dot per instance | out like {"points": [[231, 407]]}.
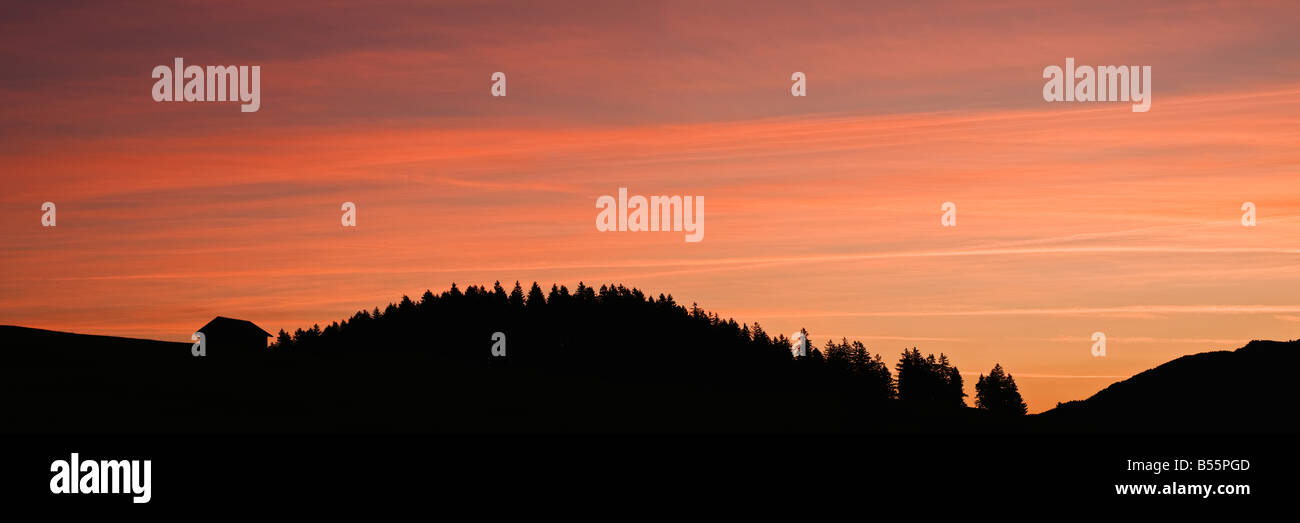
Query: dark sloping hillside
{"points": [[96, 384], [604, 360], [27, 345], [592, 361], [1251, 389]]}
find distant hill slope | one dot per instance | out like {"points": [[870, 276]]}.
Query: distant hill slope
{"points": [[1251, 389], [24, 344]]}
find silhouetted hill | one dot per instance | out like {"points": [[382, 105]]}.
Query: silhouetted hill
{"points": [[594, 361], [1251, 389], [39, 345], [607, 360]]}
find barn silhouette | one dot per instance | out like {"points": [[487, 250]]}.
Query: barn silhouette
{"points": [[229, 337]]}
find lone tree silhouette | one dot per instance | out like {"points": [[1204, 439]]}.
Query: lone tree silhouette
{"points": [[998, 393]]}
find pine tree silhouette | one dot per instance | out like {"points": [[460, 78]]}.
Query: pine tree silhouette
{"points": [[998, 393]]}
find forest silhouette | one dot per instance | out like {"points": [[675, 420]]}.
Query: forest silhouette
{"points": [[595, 360], [620, 329]]}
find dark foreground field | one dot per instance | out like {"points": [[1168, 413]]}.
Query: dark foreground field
{"points": [[67, 383]]}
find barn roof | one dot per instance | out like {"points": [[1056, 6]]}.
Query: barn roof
{"points": [[224, 324]]}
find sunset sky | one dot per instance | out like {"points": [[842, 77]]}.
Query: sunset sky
{"points": [[821, 212]]}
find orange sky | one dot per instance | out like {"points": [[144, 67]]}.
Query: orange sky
{"points": [[822, 212]]}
